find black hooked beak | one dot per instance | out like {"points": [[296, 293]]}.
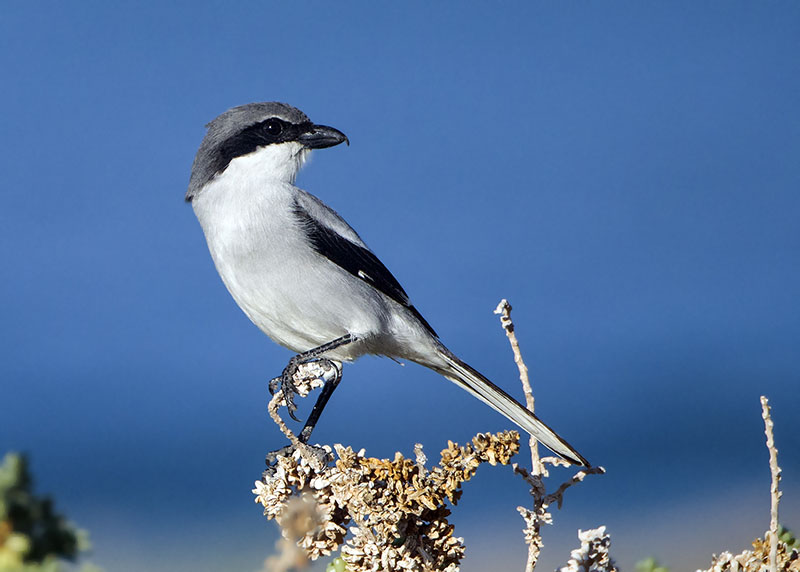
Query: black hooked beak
{"points": [[321, 136]]}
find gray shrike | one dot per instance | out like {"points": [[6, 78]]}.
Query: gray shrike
{"points": [[300, 272]]}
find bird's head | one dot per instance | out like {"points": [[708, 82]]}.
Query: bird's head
{"points": [[272, 137]]}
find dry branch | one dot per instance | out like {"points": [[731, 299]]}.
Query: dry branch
{"points": [[396, 510], [535, 478]]}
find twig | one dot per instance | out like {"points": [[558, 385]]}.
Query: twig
{"points": [[775, 493], [558, 496], [274, 404], [541, 500], [532, 519], [770, 554], [504, 311]]}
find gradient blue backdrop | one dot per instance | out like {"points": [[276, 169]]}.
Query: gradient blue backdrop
{"points": [[626, 173]]}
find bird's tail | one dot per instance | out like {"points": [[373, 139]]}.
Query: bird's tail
{"points": [[466, 377]]}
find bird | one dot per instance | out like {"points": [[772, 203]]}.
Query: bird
{"points": [[301, 273]]}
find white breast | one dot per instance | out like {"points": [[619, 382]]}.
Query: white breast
{"points": [[297, 297]]}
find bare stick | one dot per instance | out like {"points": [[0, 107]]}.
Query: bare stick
{"points": [[541, 500], [774, 492], [578, 477], [274, 404], [533, 534], [504, 310]]}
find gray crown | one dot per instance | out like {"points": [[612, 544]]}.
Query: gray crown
{"points": [[226, 126]]}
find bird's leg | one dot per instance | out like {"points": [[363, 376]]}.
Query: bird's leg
{"points": [[286, 384], [322, 401]]}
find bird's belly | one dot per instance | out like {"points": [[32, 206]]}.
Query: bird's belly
{"points": [[295, 295], [290, 300]]}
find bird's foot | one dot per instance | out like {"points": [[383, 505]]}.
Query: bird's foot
{"points": [[301, 375], [285, 384]]}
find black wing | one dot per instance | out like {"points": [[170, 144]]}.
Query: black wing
{"points": [[355, 259]]}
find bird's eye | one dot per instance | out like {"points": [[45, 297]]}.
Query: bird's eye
{"points": [[273, 127]]}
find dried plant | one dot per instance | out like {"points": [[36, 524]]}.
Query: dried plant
{"points": [[534, 519], [393, 514], [758, 559], [399, 507], [776, 552], [593, 554]]}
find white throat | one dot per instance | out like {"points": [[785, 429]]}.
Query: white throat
{"points": [[280, 162]]}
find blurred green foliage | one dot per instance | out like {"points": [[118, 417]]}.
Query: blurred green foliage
{"points": [[33, 536], [787, 537], [650, 565], [336, 565]]}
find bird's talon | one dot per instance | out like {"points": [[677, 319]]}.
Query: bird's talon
{"points": [[291, 408], [285, 384]]}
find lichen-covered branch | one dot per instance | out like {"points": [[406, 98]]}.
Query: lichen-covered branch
{"points": [[396, 509]]}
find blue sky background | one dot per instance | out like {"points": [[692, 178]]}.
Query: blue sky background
{"points": [[627, 174]]}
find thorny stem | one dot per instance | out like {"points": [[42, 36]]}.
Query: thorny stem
{"points": [[775, 494]]}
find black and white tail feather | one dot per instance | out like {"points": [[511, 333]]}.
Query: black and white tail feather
{"points": [[472, 381]]}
